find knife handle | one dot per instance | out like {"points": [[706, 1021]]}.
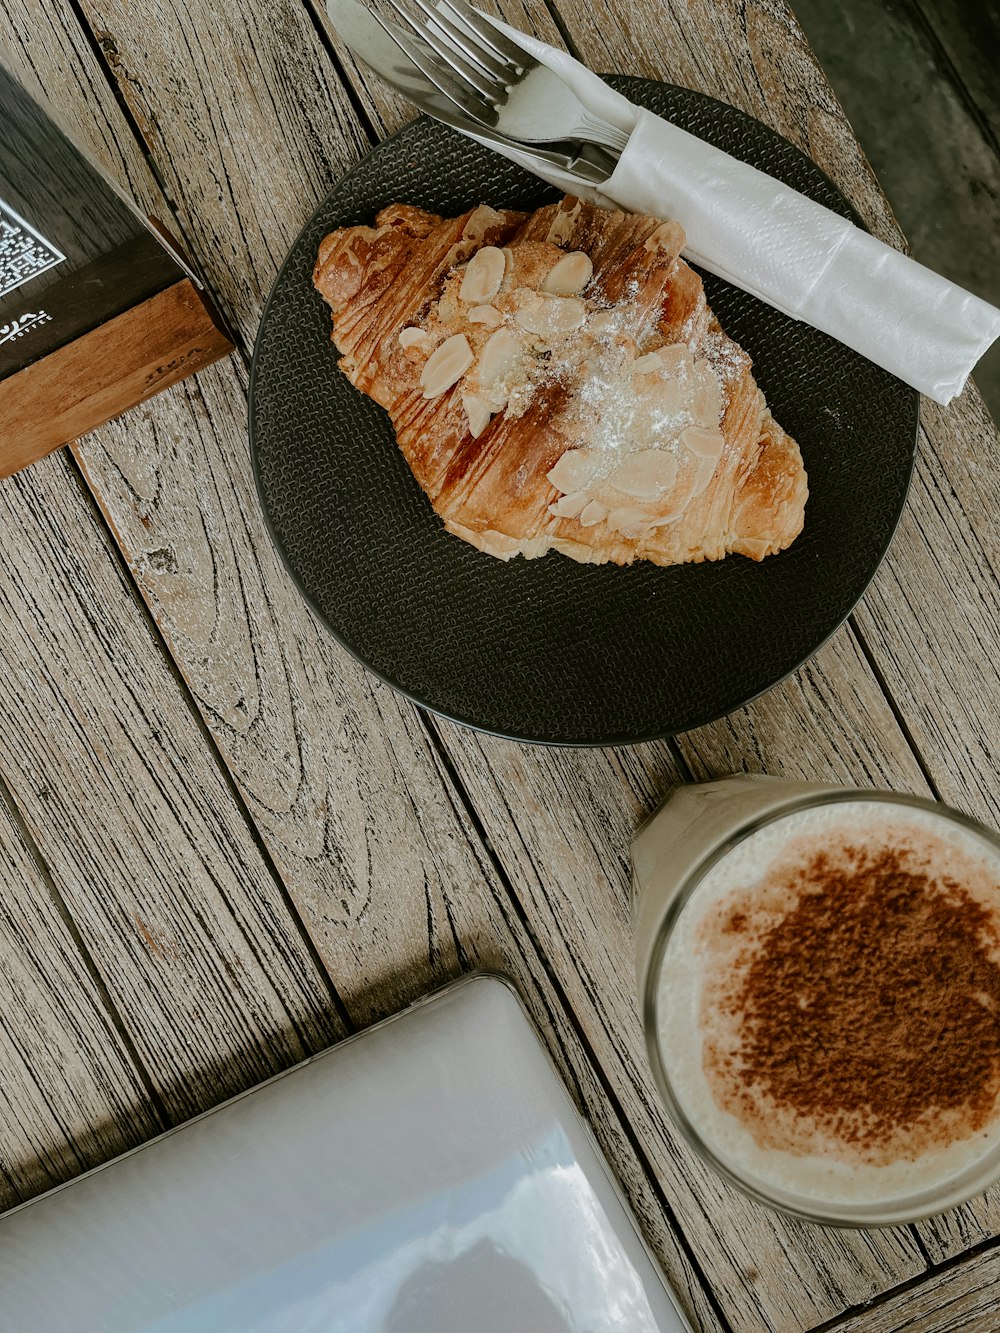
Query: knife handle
{"points": [[594, 164]]}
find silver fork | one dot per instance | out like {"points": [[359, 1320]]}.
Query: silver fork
{"points": [[384, 48], [494, 81]]}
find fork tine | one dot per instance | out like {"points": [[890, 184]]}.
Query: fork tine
{"points": [[479, 84], [483, 31], [456, 93], [469, 46]]}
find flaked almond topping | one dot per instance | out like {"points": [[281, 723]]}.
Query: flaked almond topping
{"points": [[650, 364], [663, 238], [629, 521], [477, 412], [645, 475], [702, 442], [756, 548], [481, 219], [605, 321], [574, 470], [706, 471], [570, 506], [593, 513], [485, 314], [446, 365], [676, 359], [706, 406], [550, 315], [409, 337], [483, 275], [569, 275], [671, 395], [561, 227], [498, 357]]}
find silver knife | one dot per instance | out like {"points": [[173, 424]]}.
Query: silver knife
{"points": [[368, 40]]}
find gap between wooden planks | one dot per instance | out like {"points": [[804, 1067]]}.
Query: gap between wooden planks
{"points": [[963, 1296], [851, 753]]}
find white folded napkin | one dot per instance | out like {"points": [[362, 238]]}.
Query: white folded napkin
{"points": [[774, 242]]}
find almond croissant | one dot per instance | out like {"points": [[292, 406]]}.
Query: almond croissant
{"points": [[556, 380]]}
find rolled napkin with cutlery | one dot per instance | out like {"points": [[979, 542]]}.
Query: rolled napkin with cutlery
{"points": [[768, 239]]}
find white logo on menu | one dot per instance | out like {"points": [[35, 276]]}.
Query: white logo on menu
{"points": [[22, 325], [24, 252]]}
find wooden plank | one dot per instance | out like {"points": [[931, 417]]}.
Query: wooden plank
{"points": [[419, 938], [439, 951], [864, 1280], [811, 116], [408, 904], [318, 748], [240, 78], [947, 555], [44, 48], [123, 362], [963, 1298], [950, 1234], [143, 838], [848, 1268], [486, 929], [828, 723], [70, 1093]]}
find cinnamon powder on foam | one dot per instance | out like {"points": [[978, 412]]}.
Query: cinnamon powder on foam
{"points": [[856, 998]]}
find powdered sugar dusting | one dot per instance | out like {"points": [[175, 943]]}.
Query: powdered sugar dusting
{"points": [[625, 390]]}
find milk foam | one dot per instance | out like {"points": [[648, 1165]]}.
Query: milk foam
{"points": [[817, 1172]]}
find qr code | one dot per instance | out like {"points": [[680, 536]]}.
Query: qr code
{"points": [[24, 252]]}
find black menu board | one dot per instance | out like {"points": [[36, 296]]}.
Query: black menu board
{"points": [[73, 252]]}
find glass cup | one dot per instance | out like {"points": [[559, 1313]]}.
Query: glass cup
{"points": [[681, 858]]}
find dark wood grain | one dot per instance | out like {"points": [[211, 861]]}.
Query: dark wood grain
{"points": [[201, 86]]}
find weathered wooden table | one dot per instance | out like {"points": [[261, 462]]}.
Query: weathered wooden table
{"points": [[224, 845]]}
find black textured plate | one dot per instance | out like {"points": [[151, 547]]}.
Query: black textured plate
{"points": [[548, 650]]}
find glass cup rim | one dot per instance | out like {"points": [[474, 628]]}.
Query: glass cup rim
{"points": [[888, 1216]]}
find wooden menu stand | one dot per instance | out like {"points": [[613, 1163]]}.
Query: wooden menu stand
{"points": [[125, 360]]}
